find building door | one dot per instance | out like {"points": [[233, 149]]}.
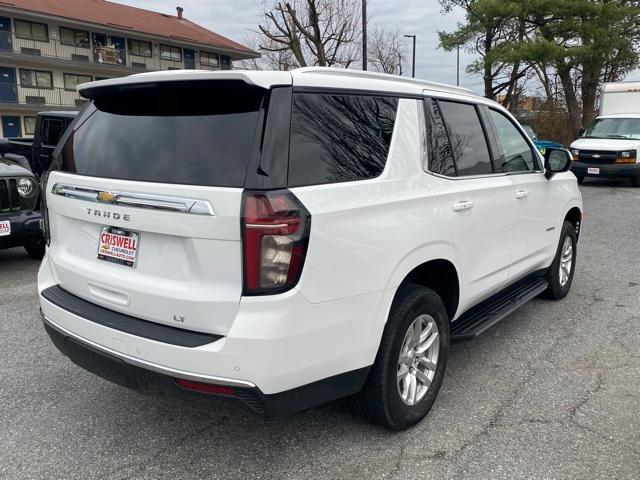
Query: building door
{"points": [[11, 126], [8, 87], [5, 34], [189, 59]]}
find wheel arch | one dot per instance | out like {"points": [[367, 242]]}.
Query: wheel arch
{"points": [[441, 276], [574, 216]]}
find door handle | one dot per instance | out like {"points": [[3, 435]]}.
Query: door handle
{"points": [[522, 194], [462, 206]]}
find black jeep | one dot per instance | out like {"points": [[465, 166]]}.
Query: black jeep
{"points": [[19, 220]]}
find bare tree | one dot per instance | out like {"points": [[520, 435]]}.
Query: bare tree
{"points": [[387, 52], [271, 59], [312, 32]]}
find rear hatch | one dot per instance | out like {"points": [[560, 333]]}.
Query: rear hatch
{"points": [[144, 200]]}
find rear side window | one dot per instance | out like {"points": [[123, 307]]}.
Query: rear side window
{"points": [[339, 138], [518, 156], [466, 135], [439, 150], [192, 133]]}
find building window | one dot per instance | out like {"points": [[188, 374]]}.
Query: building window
{"points": [[171, 53], [140, 48], [225, 62], [29, 125], [77, 38], [36, 78], [72, 80], [32, 30], [210, 59]]}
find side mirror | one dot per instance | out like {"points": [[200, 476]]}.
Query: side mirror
{"points": [[581, 132], [4, 146], [556, 160]]}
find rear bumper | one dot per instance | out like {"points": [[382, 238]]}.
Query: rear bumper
{"points": [[155, 379], [631, 170], [279, 346], [25, 229]]}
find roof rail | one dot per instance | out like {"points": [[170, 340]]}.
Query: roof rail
{"points": [[385, 76]]}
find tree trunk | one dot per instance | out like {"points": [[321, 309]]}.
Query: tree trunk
{"points": [[573, 109], [590, 84]]}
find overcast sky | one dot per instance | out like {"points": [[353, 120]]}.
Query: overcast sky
{"points": [[237, 18]]}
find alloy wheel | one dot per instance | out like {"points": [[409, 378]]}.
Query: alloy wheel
{"points": [[418, 359]]}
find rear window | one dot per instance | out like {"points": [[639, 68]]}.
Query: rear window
{"points": [[467, 139], [52, 130], [193, 133], [339, 138], [439, 150]]}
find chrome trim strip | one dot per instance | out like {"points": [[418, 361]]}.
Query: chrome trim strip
{"points": [[264, 225], [136, 200], [172, 372]]}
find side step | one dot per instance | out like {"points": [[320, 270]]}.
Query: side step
{"points": [[486, 314]]}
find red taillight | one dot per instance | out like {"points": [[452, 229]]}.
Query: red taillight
{"points": [[205, 387], [275, 234]]}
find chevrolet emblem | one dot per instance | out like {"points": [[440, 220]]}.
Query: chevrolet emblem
{"points": [[106, 197]]}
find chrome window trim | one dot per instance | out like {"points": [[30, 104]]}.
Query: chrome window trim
{"points": [[137, 200], [475, 177]]}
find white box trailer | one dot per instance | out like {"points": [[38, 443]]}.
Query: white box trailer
{"points": [[620, 98]]}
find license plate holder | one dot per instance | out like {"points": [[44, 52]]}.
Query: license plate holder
{"points": [[5, 228], [593, 171], [119, 246]]}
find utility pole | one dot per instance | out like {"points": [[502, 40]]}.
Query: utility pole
{"points": [[413, 63], [364, 34], [458, 66]]}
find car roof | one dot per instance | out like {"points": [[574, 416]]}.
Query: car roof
{"points": [[620, 115], [318, 77]]}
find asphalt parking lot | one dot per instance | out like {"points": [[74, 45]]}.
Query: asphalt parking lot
{"points": [[551, 392]]}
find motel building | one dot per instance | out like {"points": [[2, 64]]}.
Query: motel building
{"points": [[47, 47]]}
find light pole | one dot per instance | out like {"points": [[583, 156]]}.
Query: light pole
{"points": [[413, 63], [364, 34], [458, 66]]}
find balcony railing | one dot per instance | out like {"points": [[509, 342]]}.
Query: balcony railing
{"points": [[91, 53], [38, 96], [54, 48]]}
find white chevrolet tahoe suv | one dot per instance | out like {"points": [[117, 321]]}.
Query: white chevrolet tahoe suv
{"points": [[289, 238]]}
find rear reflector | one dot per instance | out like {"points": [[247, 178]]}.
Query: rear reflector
{"points": [[205, 387], [275, 234]]}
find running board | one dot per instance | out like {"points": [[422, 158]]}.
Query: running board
{"points": [[485, 315]]}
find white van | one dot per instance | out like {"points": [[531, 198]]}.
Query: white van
{"points": [[288, 238], [609, 146]]}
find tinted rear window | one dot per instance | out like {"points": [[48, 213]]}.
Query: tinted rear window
{"points": [[439, 150], [468, 142], [52, 130], [339, 138], [194, 133]]}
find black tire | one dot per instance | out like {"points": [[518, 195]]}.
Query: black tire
{"points": [[635, 182], [36, 250], [556, 289], [380, 400], [580, 179]]}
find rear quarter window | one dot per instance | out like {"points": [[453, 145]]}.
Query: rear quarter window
{"points": [[339, 138]]}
